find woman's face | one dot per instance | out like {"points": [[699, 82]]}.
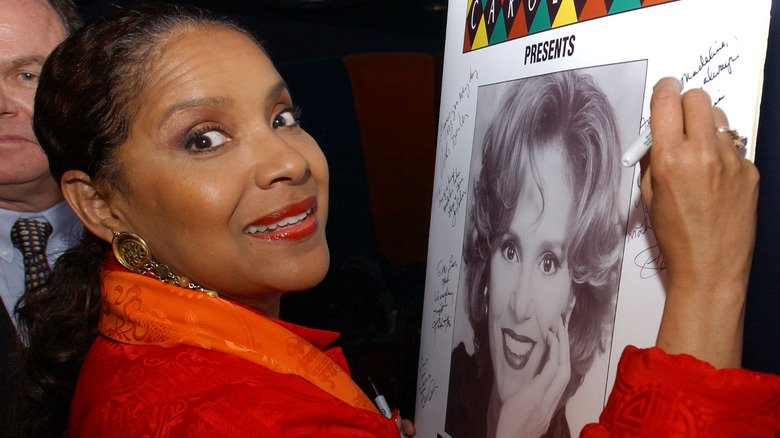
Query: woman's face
{"points": [[219, 178], [530, 286]]}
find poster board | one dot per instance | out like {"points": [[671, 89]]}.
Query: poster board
{"points": [[497, 51]]}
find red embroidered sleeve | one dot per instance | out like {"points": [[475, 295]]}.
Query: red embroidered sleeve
{"points": [[660, 395], [133, 391]]}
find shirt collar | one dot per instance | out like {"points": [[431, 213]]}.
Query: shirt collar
{"points": [[60, 216]]}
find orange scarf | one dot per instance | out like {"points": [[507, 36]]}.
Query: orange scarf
{"points": [[141, 310]]}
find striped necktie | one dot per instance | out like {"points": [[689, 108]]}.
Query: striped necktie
{"points": [[30, 235]]}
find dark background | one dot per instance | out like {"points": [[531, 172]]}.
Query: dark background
{"points": [[302, 29], [299, 30]]}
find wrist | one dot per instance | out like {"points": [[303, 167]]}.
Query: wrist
{"points": [[705, 323]]}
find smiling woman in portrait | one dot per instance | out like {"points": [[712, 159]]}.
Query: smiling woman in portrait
{"points": [[541, 256], [177, 144]]}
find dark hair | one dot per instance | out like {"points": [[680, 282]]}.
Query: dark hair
{"points": [[89, 93], [69, 16], [558, 109]]}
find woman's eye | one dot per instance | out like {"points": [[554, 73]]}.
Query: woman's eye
{"points": [[28, 77], [206, 140], [509, 251], [288, 117], [549, 263]]}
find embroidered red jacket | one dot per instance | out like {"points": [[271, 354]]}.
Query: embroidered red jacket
{"points": [[137, 390], [660, 395]]}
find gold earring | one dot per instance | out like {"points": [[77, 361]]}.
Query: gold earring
{"points": [[130, 250]]}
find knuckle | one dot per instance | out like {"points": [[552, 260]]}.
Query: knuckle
{"points": [[696, 96], [720, 115], [754, 177], [662, 95]]}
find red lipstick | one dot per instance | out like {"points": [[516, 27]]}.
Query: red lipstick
{"points": [[294, 222]]}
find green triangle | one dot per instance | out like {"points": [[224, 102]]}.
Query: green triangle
{"points": [[624, 5], [499, 30], [542, 19]]}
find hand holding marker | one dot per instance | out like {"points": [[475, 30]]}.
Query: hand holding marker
{"points": [[639, 147], [382, 405]]}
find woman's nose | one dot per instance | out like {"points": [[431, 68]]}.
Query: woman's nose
{"points": [[279, 159], [524, 291]]}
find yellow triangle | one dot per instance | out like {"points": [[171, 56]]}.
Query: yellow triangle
{"points": [[567, 14], [468, 7], [480, 39]]}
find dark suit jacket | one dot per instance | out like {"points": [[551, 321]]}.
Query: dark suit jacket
{"points": [[7, 345]]}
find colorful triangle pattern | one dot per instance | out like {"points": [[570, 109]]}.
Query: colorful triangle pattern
{"points": [[490, 22]]}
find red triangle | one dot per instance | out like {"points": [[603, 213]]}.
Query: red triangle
{"points": [[654, 2], [593, 9], [519, 27], [466, 42]]}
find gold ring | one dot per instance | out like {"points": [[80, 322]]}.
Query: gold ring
{"points": [[738, 140]]}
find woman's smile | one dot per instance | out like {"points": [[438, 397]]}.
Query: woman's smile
{"points": [[517, 348], [295, 222]]}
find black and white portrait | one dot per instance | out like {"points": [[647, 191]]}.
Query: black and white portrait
{"points": [[542, 250]]}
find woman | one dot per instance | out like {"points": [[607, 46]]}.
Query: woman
{"points": [[177, 144], [541, 255]]}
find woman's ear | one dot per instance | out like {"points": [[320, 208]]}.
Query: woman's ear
{"points": [[89, 204]]}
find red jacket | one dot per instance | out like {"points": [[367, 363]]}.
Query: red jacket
{"points": [[138, 390], [660, 395]]}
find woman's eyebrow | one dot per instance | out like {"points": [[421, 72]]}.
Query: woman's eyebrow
{"points": [[278, 88], [215, 102], [556, 246], [181, 106]]}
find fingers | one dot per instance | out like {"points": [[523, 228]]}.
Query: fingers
{"points": [[645, 181], [562, 364], [563, 346], [698, 117], [666, 121], [685, 137], [407, 428], [719, 117], [556, 373]]}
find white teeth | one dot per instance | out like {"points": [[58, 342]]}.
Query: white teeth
{"points": [[518, 348], [260, 229]]}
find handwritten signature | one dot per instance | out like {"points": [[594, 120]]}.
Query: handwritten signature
{"points": [[643, 122], [450, 197], [443, 297], [455, 119], [442, 319], [650, 262], [711, 66], [427, 386], [443, 270], [724, 66], [704, 60], [644, 225]]}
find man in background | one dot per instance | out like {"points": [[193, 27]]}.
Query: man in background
{"points": [[36, 225]]}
